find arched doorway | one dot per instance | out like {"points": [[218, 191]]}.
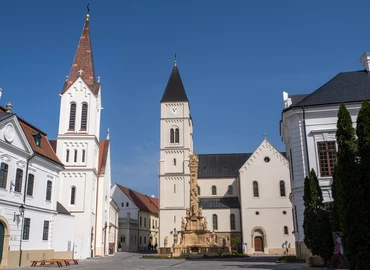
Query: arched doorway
{"points": [[258, 238], [4, 242]]}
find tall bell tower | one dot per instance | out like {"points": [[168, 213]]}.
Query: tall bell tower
{"points": [[176, 143], [78, 144]]}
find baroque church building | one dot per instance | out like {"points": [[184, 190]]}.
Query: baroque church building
{"points": [[244, 196], [86, 179]]}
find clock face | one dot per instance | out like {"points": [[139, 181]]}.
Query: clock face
{"points": [[174, 110]]}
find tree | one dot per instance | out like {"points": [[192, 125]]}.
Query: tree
{"points": [[316, 224]]}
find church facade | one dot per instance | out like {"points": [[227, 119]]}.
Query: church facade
{"points": [[240, 194], [86, 178]]}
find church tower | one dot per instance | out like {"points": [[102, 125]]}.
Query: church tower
{"points": [[176, 142], [78, 145]]}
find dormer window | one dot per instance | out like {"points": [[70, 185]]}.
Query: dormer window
{"points": [[37, 137]]}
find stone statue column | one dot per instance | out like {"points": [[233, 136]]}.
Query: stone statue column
{"points": [[194, 200]]}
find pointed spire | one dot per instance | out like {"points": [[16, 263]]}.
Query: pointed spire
{"points": [[108, 134], [83, 63], [175, 90]]}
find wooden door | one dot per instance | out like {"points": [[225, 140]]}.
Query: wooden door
{"points": [[258, 243]]}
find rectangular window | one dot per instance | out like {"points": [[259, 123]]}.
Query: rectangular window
{"points": [[327, 157], [49, 186], [140, 240], [26, 228], [67, 156], [75, 159], [145, 222], [149, 220], [18, 180], [30, 184], [45, 233], [141, 223], [83, 155], [3, 175]]}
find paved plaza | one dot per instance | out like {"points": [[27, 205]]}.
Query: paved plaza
{"points": [[124, 260]]}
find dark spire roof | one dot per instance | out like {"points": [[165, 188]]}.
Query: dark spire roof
{"points": [[83, 63], [175, 89]]}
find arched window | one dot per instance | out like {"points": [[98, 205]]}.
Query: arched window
{"points": [[49, 186], [214, 190], [255, 189], [83, 155], [72, 116], [286, 230], [232, 222], [174, 162], [177, 135], [84, 116], [174, 188], [67, 155], [214, 221], [282, 188], [198, 190], [230, 190], [75, 158], [73, 195], [172, 135]]}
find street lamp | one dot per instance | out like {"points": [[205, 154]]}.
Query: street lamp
{"points": [[21, 211]]}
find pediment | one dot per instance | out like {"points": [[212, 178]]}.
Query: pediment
{"points": [[79, 86], [12, 134]]}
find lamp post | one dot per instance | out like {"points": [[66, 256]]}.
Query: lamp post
{"points": [[21, 211]]}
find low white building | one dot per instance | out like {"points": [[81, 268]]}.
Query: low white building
{"points": [[138, 219], [113, 227], [308, 127], [33, 224]]}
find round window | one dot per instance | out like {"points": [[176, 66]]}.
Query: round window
{"points": [[266, 159], [257, 213], [284, 212]]}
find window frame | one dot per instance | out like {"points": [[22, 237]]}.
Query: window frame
{"points": [[4, 167], [49, 189], [72, 116], [232, 222], [45, 231], [172, 135], [327, 157], [230, 190], [255, 190], [72, 200], [18, 180], [282, 188], [30, 183], [286, 231], [214, 190], [214, 222], [26, 229], [84, 113]]}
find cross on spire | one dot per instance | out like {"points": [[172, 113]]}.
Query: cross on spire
{"points": [[80, 71], [265, 135], [175, 63]]}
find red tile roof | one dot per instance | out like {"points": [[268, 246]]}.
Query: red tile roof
{"points": [[143, 202], [45, 148], [103, 156], [83, 61]]}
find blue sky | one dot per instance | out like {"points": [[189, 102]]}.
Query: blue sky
{"points": [[235, 59]]}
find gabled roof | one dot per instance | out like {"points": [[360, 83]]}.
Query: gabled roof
{"points": [[103, 155], [175, 91], [83, 61], [45, 149], [345, 87], [143, 202], [61, 209], [221, 165]]}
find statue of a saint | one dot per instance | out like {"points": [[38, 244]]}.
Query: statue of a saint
{"points": [[175, 237], [200, 212], [165, 241], [187, 212], [183, 224], [204, 224]]}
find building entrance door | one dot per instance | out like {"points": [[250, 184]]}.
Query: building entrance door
{"points": [[1, 240], [258, 244]]}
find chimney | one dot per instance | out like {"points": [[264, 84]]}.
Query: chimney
{"points": [[365, 61]]}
